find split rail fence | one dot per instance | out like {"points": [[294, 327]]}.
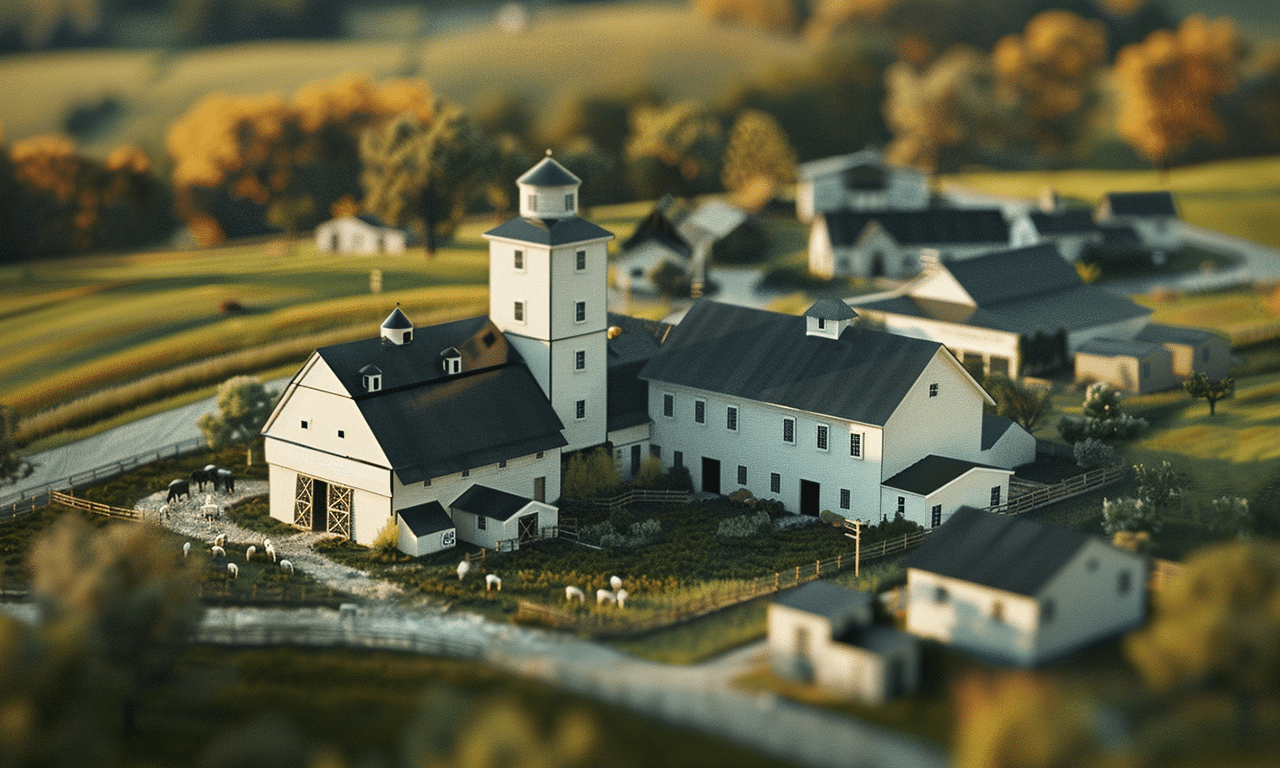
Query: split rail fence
{"points": [[633, 496], [66, 499]]}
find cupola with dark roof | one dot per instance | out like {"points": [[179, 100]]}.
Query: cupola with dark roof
{"points": [[451, 361], [548, 191], [397, 329], [828, 318], [371, 378]]}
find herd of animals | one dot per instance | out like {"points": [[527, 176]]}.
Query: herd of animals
{"points": [[220, 479]]}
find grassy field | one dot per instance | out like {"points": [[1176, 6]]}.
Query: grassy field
{"points": [[1238, 197], [613, 49]]}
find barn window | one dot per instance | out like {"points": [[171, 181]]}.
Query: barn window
{"points": [[668, 405], [940, 595], [519, 261], [518, 312], [581, 409], [580, 360], [844, 498], [342, 433], [1125, 582], [742, 475], [855, 444], [568, 202], [700, 411], [902, 506], [933, 390], [789, 430], [823, 433], [995, 496], [731, 418], [580, 260], [775, 482], [580, 312], [480, 522]]}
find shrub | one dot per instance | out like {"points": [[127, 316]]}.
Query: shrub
{"points": [[743, 496], [786, 522], [1123, 427], [231, 307], [621, 520], [831, 518], [388, 539], [589, 474], [1128, 516], [606, 535], [650, 473], [1092, 453], [745, 526], [1230, 516]]}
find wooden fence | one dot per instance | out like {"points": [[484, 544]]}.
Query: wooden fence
{"points": [[67, 500], [1072, 486], [289, 634], [633, 496]]}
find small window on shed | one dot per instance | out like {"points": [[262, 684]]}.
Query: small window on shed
{"points": [[940, 595], [480, 522], [1125, 582]]}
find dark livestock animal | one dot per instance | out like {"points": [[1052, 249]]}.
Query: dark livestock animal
{"points": [[226, 480], [200, 477], [178, 488]]}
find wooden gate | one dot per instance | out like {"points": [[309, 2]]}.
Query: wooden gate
{"points": [[340, 511], [304, 493], [527, 527]]}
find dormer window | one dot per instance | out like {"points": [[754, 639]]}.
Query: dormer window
{"points": [[828, 318], [451, 361], [371, 378]]}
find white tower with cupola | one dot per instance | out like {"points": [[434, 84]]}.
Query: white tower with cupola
{"points": [[548, 274]]}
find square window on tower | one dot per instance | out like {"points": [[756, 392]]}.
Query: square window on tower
{"points": [[580, 312], [581, 261]]}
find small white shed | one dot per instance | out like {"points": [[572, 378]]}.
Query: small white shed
{"points": [[487, 516], [425, 529], [361, 234]]}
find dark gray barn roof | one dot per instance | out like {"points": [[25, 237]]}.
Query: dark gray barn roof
{"points": [[822, 598], [1007, 553], [993, 428], [572, 229], [490, 502], [1012, 274], [549, 173], [628, 352], [931, 473], [1073, 221], [1158, 203], [768, 357], [931, 226], [426, 519]]}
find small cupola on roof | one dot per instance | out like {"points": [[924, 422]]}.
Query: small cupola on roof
{"points": [[828, 318], [548, 191], [397, 329], [371, 378], [451, 361]]}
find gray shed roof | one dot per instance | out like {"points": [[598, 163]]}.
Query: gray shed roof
{"points": [[993, 428], [571, 229], [1174, 334], [830, 309], [549, 173], [931, 226], [426, 519], [490, 502], [823, 598], [932, 472], [1072, 221], [1012, 274], [1158, 203], [768, 357], [1007, 553], [1120, 348]]}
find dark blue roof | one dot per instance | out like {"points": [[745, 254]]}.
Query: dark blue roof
{"points": [[397, 320], [572, 229], [768, 357], [426, 519]]}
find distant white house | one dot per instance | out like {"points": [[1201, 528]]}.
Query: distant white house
{"points": [[1021, 592], [655, 241], [363, 234], [1154, 216], [825, 634], [891, 243], [861, 181]]}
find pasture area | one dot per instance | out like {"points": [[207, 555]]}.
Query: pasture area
{"points": [[1238, 197], [589, 50]]}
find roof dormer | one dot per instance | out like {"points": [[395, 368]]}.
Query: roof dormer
{"points": [[828, 318], [451, 361], [397, 329], [548, 191], [371, 378]]}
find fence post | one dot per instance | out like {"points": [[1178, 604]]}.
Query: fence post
{"points": [[776, 578]]}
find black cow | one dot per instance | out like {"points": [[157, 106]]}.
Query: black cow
{"points": [[226, 480], [178, 488], [200, 477]]}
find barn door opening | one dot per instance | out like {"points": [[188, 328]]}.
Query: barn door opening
{"points": [[710, 475], [320, 506], [810, 494]]}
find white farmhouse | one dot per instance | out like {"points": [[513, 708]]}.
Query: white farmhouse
{"points": [[819, 413], [861, 181], [825, 634], [361, 234], [892, 243], [1019, 591]]}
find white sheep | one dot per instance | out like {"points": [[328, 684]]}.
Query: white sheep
{"points": [[233, 570], [220, 540], [573, 593], [286, 566], [463, 568], [270, 551], [164, 511], [250, 552], [491, 581], [615, 582], [266, 544], [218, 551], [186, 549], [621, 597], [605, 596]]}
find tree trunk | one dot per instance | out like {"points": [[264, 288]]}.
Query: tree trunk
{"points": [[1212, 402]]}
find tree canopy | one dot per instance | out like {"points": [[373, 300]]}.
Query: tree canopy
{"points": [[1201, 386], [243, 407]]}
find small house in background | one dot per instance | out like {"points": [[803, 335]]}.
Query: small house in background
{"points": [[656, 240], [825, 634], [362, 234], [935, 487], [425, 529], [1073, 231], [861, 181], [891, 243], [1019, 591], [1152, 214], [1193, 350], [486, 516]]}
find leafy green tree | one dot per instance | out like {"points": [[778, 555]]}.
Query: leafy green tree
{"points": [[1160, 485], [1217, 623], [674, 149], [13, 466], [243, 407], [1201, 386], [1129, 516], [426, 173], [1024, 403], [757, 154], [590, 474]]}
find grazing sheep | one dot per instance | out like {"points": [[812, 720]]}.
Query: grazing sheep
{"points": [[491, 581], [220, 540], [286, 566], [186, 549], [270, 551], [605, 596], [164, 511], [615, 582], [266, 543], [573, 593], [250, 552], [621, 597], [218, 551], [233, 570], [463, 568]]}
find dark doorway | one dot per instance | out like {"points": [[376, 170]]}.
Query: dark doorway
{"points": [[540, 489], [320, 507], [635, 460], [710, 475], [527, 527], [810, 493]]}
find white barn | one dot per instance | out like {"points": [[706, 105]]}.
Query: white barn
{"points": [[861, 181], [361, 234], [1019, 591], [893, 243]]}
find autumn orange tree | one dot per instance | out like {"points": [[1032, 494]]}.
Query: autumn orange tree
{"points": [[240, 159], [59, 200], [1168, 86]]}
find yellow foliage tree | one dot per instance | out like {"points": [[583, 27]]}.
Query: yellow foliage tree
{"points": [[1021, 720], [1168, 85]]}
